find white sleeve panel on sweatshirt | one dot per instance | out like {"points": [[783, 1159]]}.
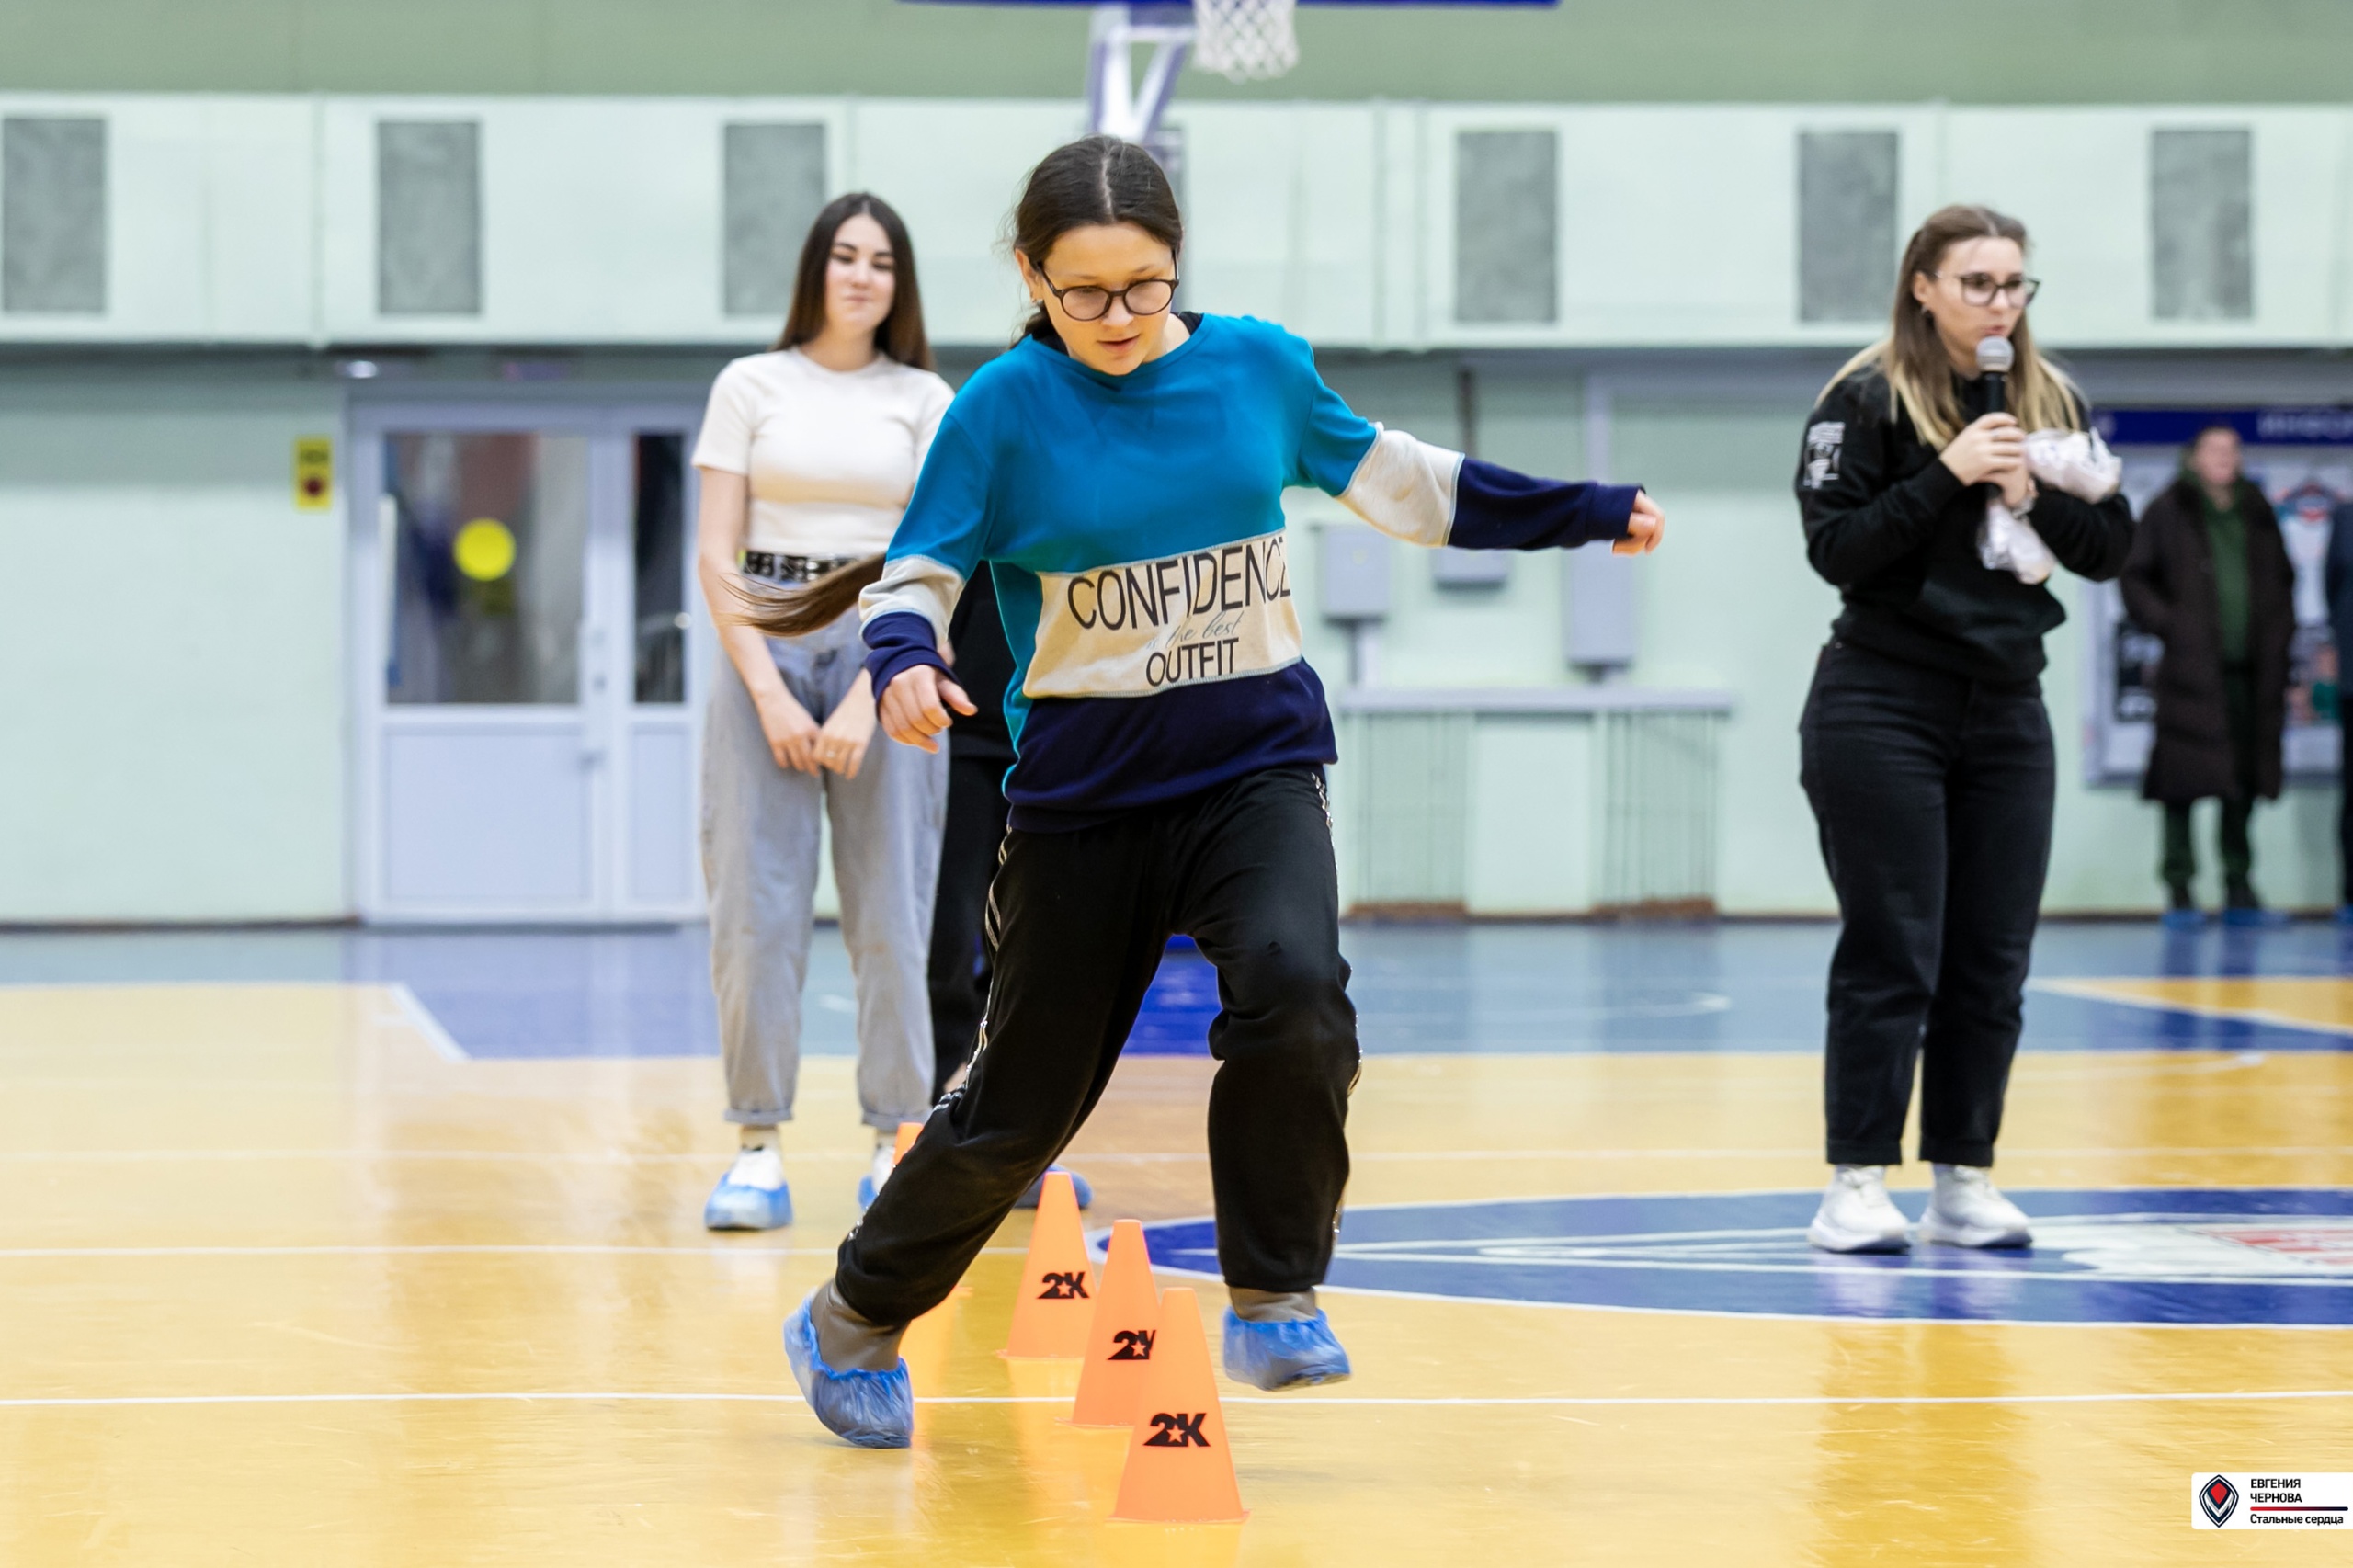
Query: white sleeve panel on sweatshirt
{"points": [[914, 584], [1405, 488]]}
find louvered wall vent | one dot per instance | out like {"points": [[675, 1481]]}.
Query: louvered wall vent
{"points": [[1847, 189], [52, 216], [428, 218], [1507, 226], [775, 188]]}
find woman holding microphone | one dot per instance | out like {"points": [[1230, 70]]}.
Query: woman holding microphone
{"points": [[808, 455], [1927, 751]]}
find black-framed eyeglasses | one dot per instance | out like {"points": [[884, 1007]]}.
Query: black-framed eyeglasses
{"points": [[1979, 287], [1147, 297]]}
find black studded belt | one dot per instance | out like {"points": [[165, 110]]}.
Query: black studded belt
{"points": [[790, 568]]}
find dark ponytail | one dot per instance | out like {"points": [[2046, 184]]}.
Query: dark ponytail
{"points": [[795, 612], [1099, 179]]}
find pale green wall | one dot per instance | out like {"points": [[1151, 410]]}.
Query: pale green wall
{"points": [[1613, 51], [171, 656]]}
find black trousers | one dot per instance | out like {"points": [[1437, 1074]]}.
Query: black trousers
{"points": [[959, 974], [1933, 794], [2179, 865], [1078, 922]]}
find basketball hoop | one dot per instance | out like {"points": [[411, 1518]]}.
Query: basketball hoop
{"points": [[1245, 41]]}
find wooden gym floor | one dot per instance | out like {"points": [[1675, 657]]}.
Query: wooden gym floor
{"points": [[286, 1279]]}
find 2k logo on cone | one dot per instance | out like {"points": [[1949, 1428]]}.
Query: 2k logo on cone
{"points": [[1180, 1470], [1118, 1348], [1056, 1305]]}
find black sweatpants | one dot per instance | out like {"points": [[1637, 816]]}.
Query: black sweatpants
{"points": [[960, 970], [1933, 793], [1078, 922]]}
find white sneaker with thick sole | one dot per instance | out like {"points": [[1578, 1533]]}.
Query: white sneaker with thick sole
{"points": [[1968, 1210], [1857, 1215], [752, 1196]]}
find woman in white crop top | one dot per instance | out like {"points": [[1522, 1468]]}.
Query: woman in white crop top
{"points": [[808, 455]]}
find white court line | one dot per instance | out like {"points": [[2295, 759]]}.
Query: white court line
{"points": [[1464, 1401], [520, 1156], [366, 1250], [1389, 1156], [419, 1016], [2088, 991]]}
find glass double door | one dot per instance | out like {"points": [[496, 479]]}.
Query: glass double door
{"points": [[529, 693]]}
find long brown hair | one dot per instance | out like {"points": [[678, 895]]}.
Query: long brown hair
{"points": [[795, 612], [1913, 357], [901, 335]]}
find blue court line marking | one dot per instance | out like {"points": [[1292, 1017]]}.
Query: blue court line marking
{"points": [[72, 1402], [1206, 1226]]}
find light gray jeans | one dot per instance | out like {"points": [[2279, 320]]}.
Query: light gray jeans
{"points": [[759, 856]]}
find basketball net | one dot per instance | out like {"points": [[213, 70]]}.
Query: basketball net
{"points": [[1245, 41]]}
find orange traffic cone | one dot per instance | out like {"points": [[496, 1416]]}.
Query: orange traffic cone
{"points": [[1056, 1306], [1179, 1469], [1119, 1344], [908, 1133]]}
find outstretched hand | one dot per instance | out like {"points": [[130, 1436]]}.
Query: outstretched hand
{"points": [[1643, 529], [914, 706]]}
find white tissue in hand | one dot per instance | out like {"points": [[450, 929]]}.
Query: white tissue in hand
{"points": [[2008, 543], [2076, 462]]}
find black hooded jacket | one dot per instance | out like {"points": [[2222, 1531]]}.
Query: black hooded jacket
{"points": [[1896, 533]]}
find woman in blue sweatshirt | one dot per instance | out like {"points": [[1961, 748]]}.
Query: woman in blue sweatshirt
{"points": [[1120, 474]]}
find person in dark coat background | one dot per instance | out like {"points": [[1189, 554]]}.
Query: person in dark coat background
{"points": [[2339, 579], [2208, 578]]}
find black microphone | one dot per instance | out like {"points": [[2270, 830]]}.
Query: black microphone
{"points": [[1994, 357]]}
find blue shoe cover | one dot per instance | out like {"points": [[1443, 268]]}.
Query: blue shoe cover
{"points": [[874, 1410], [2344, 915], [1283, 1354], [1036, 1189], [735, 1208], [2185, 920], [2258, 918], [865, 1193]]}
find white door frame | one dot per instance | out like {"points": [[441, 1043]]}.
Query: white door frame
{"points": [[609, 726]]}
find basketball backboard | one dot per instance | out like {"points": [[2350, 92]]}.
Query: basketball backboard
{"points": [[1240, 39]]}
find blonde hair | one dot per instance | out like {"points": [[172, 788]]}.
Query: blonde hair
{"points": [[1913, 357]]}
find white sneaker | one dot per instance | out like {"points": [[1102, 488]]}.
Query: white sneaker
{"points": [[752, 1196], [1968, 1210], [886, 1160], [1857, 1215], [762, 1167]]}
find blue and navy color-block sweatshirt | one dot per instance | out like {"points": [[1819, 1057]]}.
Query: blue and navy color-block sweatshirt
{"points": [[1134, 528]]}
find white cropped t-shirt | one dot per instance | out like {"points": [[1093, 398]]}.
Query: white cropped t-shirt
{"points": [[831, 455]]}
